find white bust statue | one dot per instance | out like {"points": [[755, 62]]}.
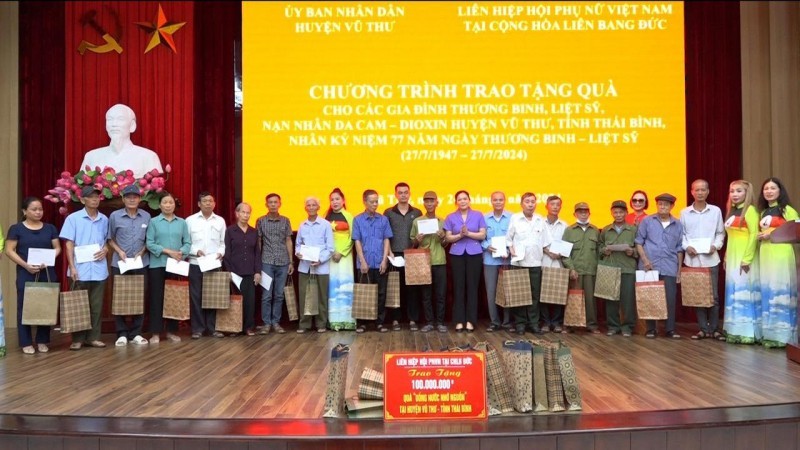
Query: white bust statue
{"points": [[121, 154]]}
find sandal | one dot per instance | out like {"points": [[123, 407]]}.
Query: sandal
{"points": [[700, 335], [719, 336]]}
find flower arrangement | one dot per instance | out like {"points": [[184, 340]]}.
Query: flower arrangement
{"points": [[110, 184]]}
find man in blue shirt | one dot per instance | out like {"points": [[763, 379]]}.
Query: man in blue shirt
{"points": [[371, 234], [84, 228], [497, 223], [658, 242], [314, 232], [127, 231]]}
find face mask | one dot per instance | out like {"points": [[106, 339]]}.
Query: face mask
{"points": [[583, 222]]}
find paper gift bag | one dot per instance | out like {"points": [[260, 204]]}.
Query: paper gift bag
{"points": [[519, 367], [40, 302], [569, 378], [651, 300], [517, 288], [230, 320], [555, 390], [607, 282], [365, 300], [290, 297], [370, 387], [575, 311], [216, 290], [337, 378], [75, 315], [393, 290], [539, 379], [363, 409], [696, 287], [176, 300], [418, 266], [128, 295], [498, 387], [500, 293], [555, 284], [311, 297]]}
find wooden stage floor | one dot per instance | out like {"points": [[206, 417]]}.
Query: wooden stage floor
{"points": [[284, 376]]}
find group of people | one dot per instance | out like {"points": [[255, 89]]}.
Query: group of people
{"points": [[760, 285]]}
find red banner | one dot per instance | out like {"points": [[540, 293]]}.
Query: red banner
{"points": [[442, 385]]}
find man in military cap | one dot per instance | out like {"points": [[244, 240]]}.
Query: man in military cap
{"points": [[582, 261]]}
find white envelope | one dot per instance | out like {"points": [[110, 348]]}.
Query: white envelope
{"points": [[561, 247], [177, 267], [237, 280], [500, 245], [266, 280], [130, 264], [701, 245], [646, 275], [39, 256], [520, 255], [309, 252], [85, 253], [208, 262], [428, 226], [398, 261]]}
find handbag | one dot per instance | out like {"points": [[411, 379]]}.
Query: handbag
{"points": [[517, 288], [311, 297], [393, 290], [290, 297], [370, 387], [216, 290], [608, 282], [337, 378], [418, 266], [555, 284], [40, 302], [696, 289], [519, 367], [176, 300], [128, 295], [365, 300], [651, 300], [500, 292], [230, 320], [497, 385], [555, 390], [75, 315], [575, 311]]}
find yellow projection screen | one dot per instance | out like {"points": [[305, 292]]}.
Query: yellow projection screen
{"points": [[580, 99]]}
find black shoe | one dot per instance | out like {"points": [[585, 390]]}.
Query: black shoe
{"points": [[520, 331], [492, 328]]}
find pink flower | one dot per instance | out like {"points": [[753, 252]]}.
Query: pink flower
{"points": [[65, 175], [96, 169], [102, 197], [87, 168], [142, 182], [98, 186], [148, 176], [114, 191], [159, 190], [168, 169], [62, 210], [87, 179], [129, 173], [153, 173]]}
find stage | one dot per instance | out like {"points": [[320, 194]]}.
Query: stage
{"points": [[269, 390]]}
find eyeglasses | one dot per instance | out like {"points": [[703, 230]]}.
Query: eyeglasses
{"points": [[638, 200]]}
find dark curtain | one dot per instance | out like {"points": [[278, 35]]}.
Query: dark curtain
{"points": [[41, 100], [713, 103], [219, 27]]}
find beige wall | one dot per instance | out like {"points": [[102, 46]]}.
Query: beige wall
{"points": [[9, 144], [770, 38]]}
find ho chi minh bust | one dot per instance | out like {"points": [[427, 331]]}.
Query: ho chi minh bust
{"points": [[122, 154]]}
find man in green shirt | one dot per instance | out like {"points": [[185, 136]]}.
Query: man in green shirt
{"points": [[618, 234], [582, 261], [434, 243]]}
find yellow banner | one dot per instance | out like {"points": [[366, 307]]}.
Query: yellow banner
{"points": [[584, 100]]}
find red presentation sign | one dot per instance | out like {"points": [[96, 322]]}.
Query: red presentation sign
{"points": [[434, 385]]}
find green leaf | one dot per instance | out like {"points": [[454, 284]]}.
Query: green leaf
{"points": [[153, 202], [107, 193]]}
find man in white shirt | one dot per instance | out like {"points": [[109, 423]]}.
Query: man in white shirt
{"points": [[553, 315], [208, 237], [121, 154], [528, 237], [702, 224]]}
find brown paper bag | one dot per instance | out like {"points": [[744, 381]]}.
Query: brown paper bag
{"points": [[311, 298], [230, 320], [365, 300], [75, 314], [393, 290], [651, 300], [40, 304], [418, 267], [607, 282], [290, 298], [216, 290], [337, 381], [555, 284], [176, 300], [575, 311], [128, 295], [696, 290], [517, 288]]}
